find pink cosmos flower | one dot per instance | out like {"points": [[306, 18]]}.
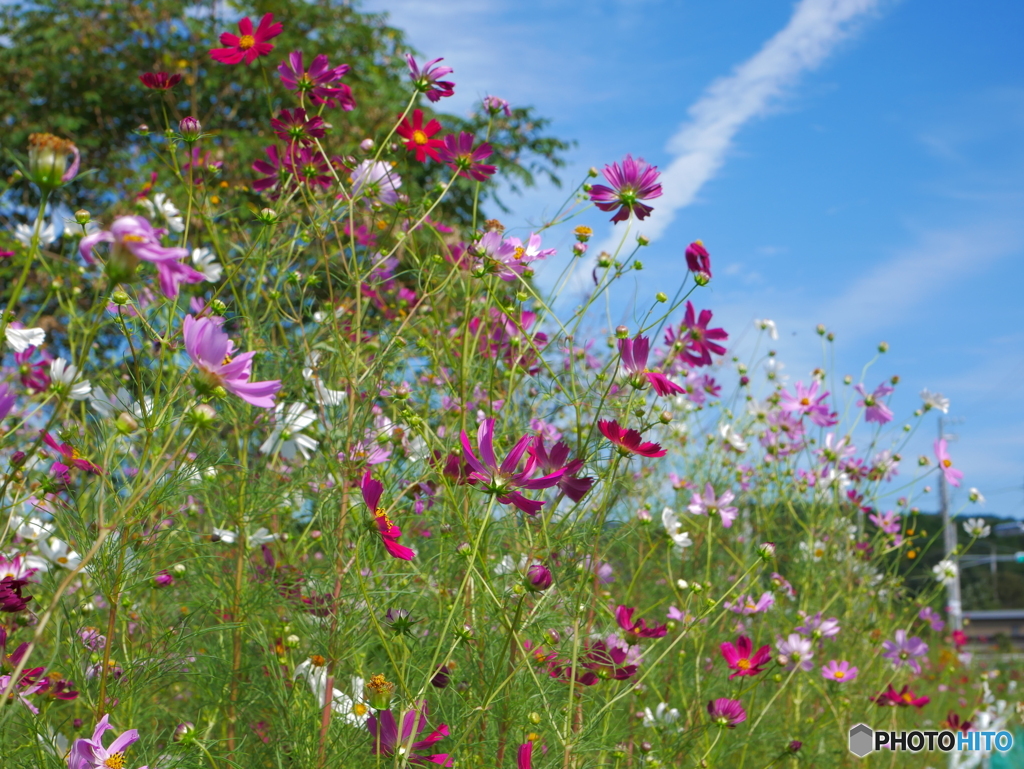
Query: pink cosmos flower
{"points": [[631, 183], [952, 475], [133, 239], [744, 604], [90, 753], [629, 441], [297, 127], [694, 342], [7, 399], [389, 533], [634, 353], [159, 81], [709, 504], [504, 480], [889, 521], [316, 81], [557, 458], [836, 450], [426, 79], [70, 457], [816, 627], [933, 618], [740, 659], [874, 409], [309, 166], [17, 567], [698, 261], [795, 650], [638, 629], [904, 651], [726, 712], [903, 698], [250, 45], [214, 355], [388, 742], [840, 671], [807, 401], [460, 156], [524, 759]]}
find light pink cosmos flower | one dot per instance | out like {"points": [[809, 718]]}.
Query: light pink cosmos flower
{"points": [[133, 239], [213, 353], [952, 475], [709, 504], [816, 627], [874, 409], [90, 753], [840, 671], [744, 604], [933, 618], [795, 650], [807, 401]]}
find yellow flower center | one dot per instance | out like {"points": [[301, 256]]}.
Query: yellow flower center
{"points": [[359, 709], [317, 661], [245, 42], [419, 137], [838, 675], [947, 462], [520, 252], [61, 559], [116, 761], [133, 239], [908, 698], [743, 664], [381, 514], [805, 401]]}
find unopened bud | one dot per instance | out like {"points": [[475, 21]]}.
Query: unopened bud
{"points": [[292, 641], [883, 347], [184, 732], [190, 129], [267, 215], [126, 423], [178, 568], [592, 172], [120, 297], [203, 415], [534, 718], [701, 278], [642, 240], [661, 296], [366, 145], [82, 216], [621, 332], [820, 329], [665, 417], [766, 550]]}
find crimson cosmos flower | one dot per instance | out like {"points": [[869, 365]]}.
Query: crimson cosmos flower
{"points": [[296, 126], [459, 154], [902, 699], [250, 45], [629, 441], [418, 136], [633, 181], [389, 533], [159, 81], [698, 260], [503, 480], [574, 487], [387, 741], [695, 341], [740, 659], [316, 81], [634, 354], [638, 629]]}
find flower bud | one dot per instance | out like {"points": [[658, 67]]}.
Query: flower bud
{"points": [[701, 278], [82, 216], [883, 347], [661, 297], [794, 746], [178, 568], [203, 415], [552, 636], [642, 240], [48, 164], [538, 578], [621, 332], [366, 145], [267, 215], [120, 297], [292, 641], [638, 265], [184, 732], [847, 379], [665, 417], [190, 129], [534, 718], [579, 249], [766, 550], [125, 423]]}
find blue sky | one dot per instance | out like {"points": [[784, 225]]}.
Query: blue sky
{"points": [[856, 163]]}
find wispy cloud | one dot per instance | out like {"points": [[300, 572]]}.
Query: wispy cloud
{"points": [[701, 145]]}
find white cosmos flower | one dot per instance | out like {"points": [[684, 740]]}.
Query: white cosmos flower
{"points": [[674, 529], [205, 261], [946, 571], [122, 401], [815, 552], [352, 712], [323, 395], [976, 527], [161, 204], [976, 496], [773, 370], [59, 552], [20, 339], [662, 716], [261, 536], [769, 326], [64, 378], [732, 438], [935, 401], [509, 565], [33, 528], [47, 235], [286, 437]]}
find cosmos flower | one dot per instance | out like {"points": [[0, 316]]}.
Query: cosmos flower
{"points": [[159, 81], [11, 599], [90, 753], [629, 441], [314, 671], [20, 339], [742, 659], [674, 528], [816, 627], [547, 462], [903, 698], [698, 261], [65, 379], [7, 399], [205, 262], [376, 180], [388, 742], [419, 137], [695, 342], [460, 155], [634, 354], [934, 401], [286, 438], [69, 457], [744, 604], [214, 355], [840, 671], [808, 402], [296, 127], [874, 409], [726, 712], [904, 651], [946, 571], [709, 504], [975, 527], [250, 45], [638, 629], [162, 205], [426, 79], [632, 182], [661, 717], [768, 325], [933, 618], [316, 81], [951, 474], [389, 533], [795, 650], [59, 552]]}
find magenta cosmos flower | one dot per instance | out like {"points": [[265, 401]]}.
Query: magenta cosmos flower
{"points": [[952, 475], [69, 458], [708, 504], [389, 533], [90, 753], [904, 651], [874, 409], [740, 659], [524, 760], [808, 402], [388, 742], [460, 156], [726, 712], [694, 341], [629, 441], [7, 399], [745, 604], [698, 261], [297, 127], [427, 80], [214, 355], [903, 698], [547, 462], [631, 183], [159, 81], [504, 480], [634, 354], [132, 239], [840, 671], [638, 629], [250, 45], [316, 81]]}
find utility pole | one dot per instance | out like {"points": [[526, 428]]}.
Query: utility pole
{"points": [[955, 608]]}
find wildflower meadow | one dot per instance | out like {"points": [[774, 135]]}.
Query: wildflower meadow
{"points": [[300, 466]]}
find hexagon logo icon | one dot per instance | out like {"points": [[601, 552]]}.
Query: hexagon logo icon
{"points": [[861, 740]]}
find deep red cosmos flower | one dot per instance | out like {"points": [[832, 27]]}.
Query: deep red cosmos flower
{"points": [[250, 45], [903, 698], [629, 441], [159, 81], [418, 136]]}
